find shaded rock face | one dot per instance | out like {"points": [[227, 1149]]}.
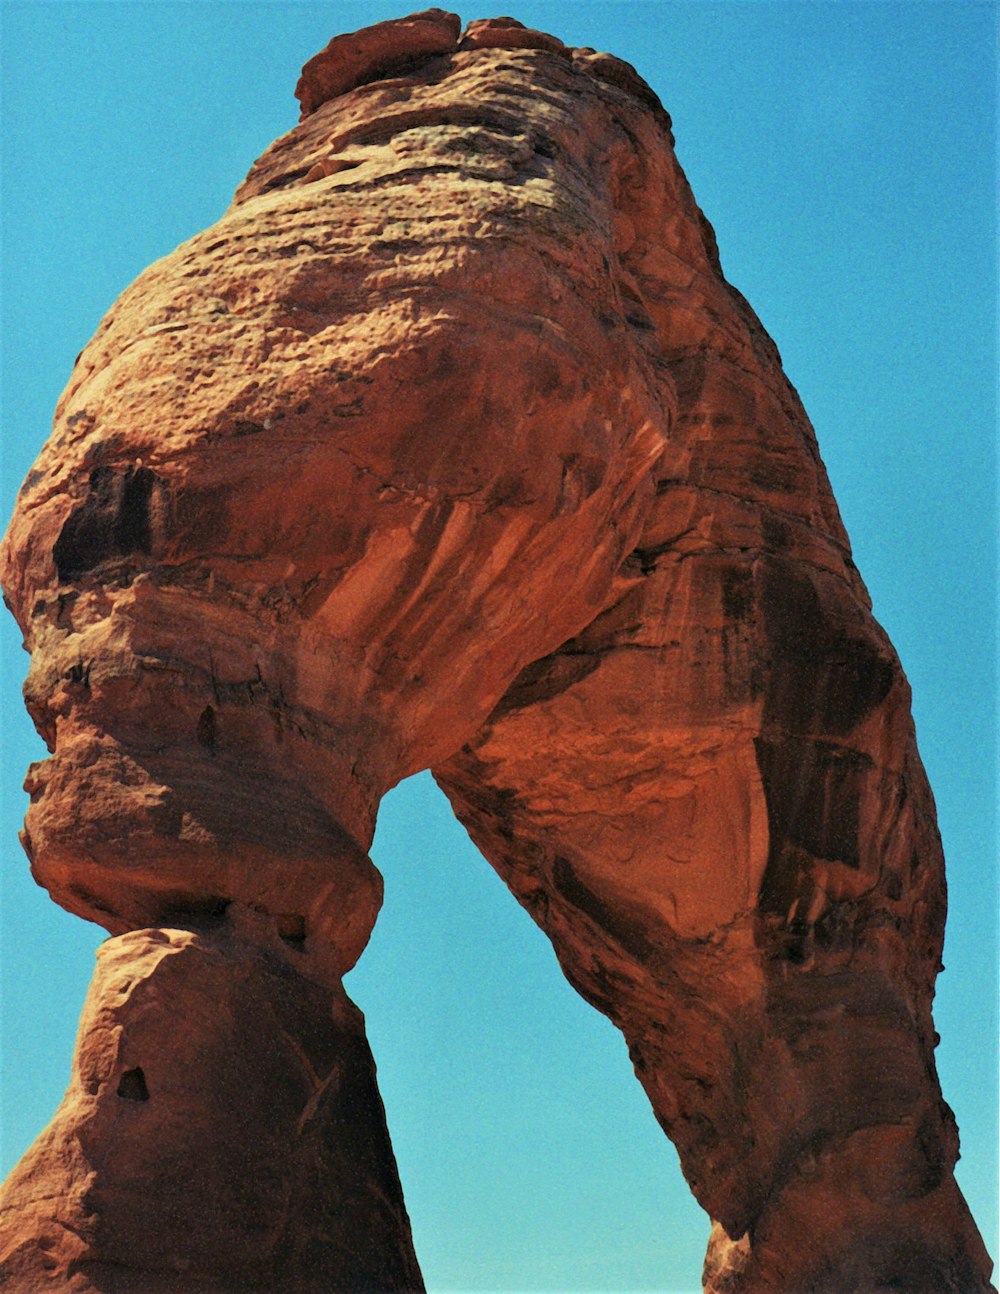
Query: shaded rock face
{"points": [[449, 446], [215, 1093]]}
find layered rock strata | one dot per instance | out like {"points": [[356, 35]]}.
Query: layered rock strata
{"points": [[449, 446]]}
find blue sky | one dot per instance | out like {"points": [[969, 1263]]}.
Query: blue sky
{"points": [[845, 154]]}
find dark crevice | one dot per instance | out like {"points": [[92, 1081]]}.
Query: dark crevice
{"points": [[206, 912], [208, 728], [292, 930], [132, 1085], [112, 521]]}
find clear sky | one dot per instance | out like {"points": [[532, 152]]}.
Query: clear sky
{"points": [[845, 154]]}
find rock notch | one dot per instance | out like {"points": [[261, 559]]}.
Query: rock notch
{"points": [[449, 446]]}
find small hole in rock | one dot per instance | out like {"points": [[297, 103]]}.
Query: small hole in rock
{"points": [[132, 1085], [79, 674], [292, 929], [207, 728]]}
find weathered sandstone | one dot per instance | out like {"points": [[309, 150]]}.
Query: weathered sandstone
{"points": [[252, 1116], [449, 446]]}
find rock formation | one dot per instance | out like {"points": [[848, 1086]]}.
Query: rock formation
{"points": [[449, 446]]}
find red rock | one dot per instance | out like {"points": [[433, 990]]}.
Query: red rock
{"points": [[508, 33], [373, 53], [615, 71], [449, 445], [211, 1080]]}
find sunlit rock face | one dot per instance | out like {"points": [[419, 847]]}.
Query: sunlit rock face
{"points": [[449, 446]]}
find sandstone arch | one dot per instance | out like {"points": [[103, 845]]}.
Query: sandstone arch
{"points": [[200, 651]]}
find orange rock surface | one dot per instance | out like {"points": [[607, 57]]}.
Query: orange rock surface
{"points": [[215, 1098], [449, 446]]}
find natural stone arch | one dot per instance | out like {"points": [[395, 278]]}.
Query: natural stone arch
{"points": [[604, 592]]}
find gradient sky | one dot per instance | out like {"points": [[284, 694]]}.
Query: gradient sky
{"points": [[845, 154]]}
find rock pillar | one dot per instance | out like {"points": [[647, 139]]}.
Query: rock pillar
{"points": [[222, 1132]]}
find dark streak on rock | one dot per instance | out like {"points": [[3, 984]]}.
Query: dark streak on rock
{"points": [[112, 521]]}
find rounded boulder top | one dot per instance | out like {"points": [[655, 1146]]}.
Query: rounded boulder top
{"points": [[397, 46]]}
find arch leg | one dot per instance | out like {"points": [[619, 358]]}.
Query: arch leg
{"points": [[712, 802]]}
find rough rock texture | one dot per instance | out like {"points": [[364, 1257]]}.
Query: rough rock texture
{"points": [[215, 1093], [449, 446]]}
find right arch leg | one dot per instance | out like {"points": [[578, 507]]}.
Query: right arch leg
{"points": [[712, 803]]}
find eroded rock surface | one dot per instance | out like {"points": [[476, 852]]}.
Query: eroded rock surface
{"points": [[216, 1093], [450, 446]]}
